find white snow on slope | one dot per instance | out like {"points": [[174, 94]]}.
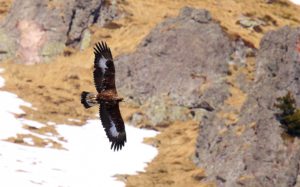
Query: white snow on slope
{"points": [[86, 161], [297, 2], [2, 81], [10, 105]]}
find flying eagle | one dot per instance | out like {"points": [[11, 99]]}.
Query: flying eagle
{"points": [[107, 96]]}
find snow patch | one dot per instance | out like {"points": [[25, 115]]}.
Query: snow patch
{"points": [[28, 141], [51, 123], [32, 123], [2, 82], [74, 120], [9, 124], [297, 2], [87, 159]]}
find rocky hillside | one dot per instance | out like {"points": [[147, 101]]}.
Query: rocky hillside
{"points": [[206, 79], [44, 28], [253, 150]]}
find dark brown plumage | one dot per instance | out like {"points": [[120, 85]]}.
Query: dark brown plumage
{"points": [[107, 97]]}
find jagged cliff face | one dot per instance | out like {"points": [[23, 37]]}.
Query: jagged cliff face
{"points": [[200, 66], [34, 31], [254, 151]]}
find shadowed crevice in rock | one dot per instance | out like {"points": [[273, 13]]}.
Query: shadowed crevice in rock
{"points": [[71, 21], [96, 13]]}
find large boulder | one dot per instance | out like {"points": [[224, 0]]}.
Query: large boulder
{"points": [[35, 30], [177, 68], [255, 151]]}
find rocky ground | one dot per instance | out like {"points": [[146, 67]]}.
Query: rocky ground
{"points": [[205, 76]]}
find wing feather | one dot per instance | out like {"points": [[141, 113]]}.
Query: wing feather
{"points": [[113, 124], [104, 70]]}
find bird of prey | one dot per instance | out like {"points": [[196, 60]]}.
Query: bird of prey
{"points": [[107, 96]]}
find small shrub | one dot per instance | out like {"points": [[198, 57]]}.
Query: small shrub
{"points": [[289, 116], [286, 104]]}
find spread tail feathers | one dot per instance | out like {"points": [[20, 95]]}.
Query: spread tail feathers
{"points": [[88, 99]]}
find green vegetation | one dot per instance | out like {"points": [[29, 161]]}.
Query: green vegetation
{"points": [[289, 116]]}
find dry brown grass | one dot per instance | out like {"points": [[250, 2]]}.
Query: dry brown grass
{"points": [[4, 8], [54, 88], [237, 96], [142, 16], [36, 141], [173, 166]]}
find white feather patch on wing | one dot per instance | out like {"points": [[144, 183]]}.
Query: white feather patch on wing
{"points": [[102, 64], [113, 130]]}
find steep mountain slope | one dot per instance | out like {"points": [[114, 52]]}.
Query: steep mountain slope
{"points": [[54, 88]]}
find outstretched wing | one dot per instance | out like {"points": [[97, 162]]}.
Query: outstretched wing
{"points": [[104, 69], [113, 123]]}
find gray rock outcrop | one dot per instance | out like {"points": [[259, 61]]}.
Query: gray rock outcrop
{"points": [[260, 154], [177, 67], [35, 30]]}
